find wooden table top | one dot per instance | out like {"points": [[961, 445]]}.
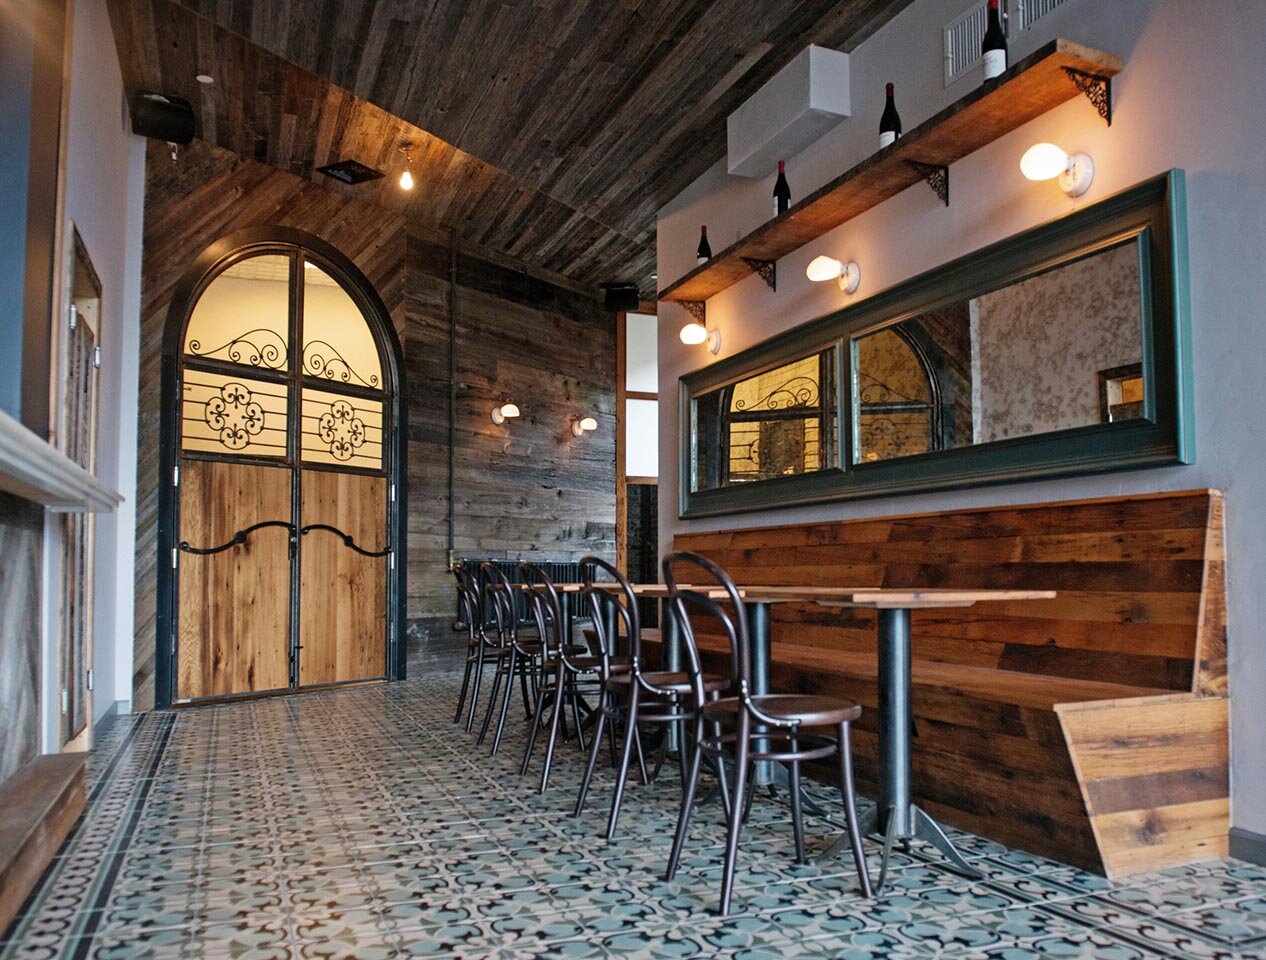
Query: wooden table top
{"points": [[873, 597]]}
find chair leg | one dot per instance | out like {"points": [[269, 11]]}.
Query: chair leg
{"points": [[743, 746], [617, 797], [850, 810], [574, 696], [525, 667], [536, 726], [554, 717], [797, 814], [641, 758], [505, 700], [461, 700], [492, 700], [474, 694], [594, 747], [722, 779], [687, 801]]}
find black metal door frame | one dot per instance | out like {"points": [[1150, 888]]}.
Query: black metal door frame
{"points": [[298, 245]]}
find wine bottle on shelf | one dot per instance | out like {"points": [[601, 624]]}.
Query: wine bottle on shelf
{"points": [[890, 122], [782, 192], [993, 49], [704, 253]]}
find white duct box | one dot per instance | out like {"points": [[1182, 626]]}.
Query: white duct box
{"points": [[804, 100]]}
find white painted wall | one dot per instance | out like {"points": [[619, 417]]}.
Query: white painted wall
{"points": [[1190, 96], [105, 182]]}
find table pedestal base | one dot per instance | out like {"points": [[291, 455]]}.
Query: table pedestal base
{"points": [[921, 827]]}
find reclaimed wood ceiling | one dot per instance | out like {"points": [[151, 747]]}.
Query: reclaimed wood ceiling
{"points": [[550, 130]]}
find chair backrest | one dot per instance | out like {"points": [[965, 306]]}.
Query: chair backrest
{"points": [[605, 608], [547, 611], [469, 605], [500, 592], [689, 603]]}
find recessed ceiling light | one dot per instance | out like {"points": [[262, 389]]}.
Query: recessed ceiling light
{"points": [[205, 78]]}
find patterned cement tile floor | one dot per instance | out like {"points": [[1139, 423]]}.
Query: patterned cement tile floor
{"points": [[362, 823]]}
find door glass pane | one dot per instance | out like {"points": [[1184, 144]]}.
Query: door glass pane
{"points": [[232, 415], [243, 316], [641, 438], [641, 352], [337, 342], [341, 430]]}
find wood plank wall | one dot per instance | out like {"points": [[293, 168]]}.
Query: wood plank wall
{"points": [[528, 487]]}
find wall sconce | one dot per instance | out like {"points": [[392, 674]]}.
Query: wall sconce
{"points": [[848, 274], [504, 412], [695, 333], [1045, 161], [581, 425], [406, 178]]}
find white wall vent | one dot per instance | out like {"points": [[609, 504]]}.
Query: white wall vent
{"points": [[963, 35]]}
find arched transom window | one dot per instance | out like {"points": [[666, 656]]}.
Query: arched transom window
{"points": [[280, 362]]}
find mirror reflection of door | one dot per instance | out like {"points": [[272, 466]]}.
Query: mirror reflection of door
{"points": [[283, 482]]}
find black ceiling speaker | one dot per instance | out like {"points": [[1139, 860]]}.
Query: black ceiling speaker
{"points": [[620, 298], [161, 117]]}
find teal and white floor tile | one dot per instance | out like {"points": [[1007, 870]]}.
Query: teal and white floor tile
{"points": [[362, 823]]}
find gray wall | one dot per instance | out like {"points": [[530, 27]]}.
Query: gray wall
{"points": [[1190, 96]]}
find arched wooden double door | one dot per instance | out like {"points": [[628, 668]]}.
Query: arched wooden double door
{"points": [[283, 480]]}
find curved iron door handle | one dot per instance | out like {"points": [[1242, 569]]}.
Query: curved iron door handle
{"points": [[347, 540], [239, 538]]}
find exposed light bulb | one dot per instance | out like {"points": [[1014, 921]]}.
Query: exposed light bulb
{"points": [[823, 268], [406, 180], [588, 423], [693, 333], [505, 411], [1046, 161], [1043, 161]]}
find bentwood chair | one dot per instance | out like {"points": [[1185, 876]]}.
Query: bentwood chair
{"points": [[568, 670], [787, 729], [482, 647], [517, 656], [467, 614], [634, 694]]}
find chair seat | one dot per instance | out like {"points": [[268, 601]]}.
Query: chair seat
{"points": [[808, 709], [676, 682]]}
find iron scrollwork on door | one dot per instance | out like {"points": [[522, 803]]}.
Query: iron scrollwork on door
{"points": [[348, 540], [239, 538], [235, 415], [342, 430], [321, 359]]}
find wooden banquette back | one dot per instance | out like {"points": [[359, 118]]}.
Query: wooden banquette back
{"points": [[1140, 581]]}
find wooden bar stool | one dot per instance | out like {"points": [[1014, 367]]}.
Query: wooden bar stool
{"points": [[768, 727]]}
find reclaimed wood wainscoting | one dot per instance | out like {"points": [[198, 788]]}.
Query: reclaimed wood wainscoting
{"points": [[1091, 728]]}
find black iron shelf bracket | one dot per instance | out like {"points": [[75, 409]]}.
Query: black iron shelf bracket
{"points": [[1098, 90], [697, 309], [937, 177], [767, 270], [347, 540], [238, 538]]}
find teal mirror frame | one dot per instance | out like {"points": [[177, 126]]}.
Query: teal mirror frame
{"points": [[1153, 213]]}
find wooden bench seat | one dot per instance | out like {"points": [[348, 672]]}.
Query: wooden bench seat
{"points": [[1091, 728]]}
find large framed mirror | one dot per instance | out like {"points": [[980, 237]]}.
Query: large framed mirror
{"points": [[1063, 350]]}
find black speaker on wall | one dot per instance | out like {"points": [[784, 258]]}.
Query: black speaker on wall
{"points": [[620, 298], [161, 117]]}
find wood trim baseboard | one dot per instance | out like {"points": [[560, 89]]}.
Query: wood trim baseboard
{"points": [[1247, 845]]}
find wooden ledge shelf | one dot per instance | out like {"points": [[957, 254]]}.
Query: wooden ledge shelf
{"points": [[33, 469], [1052, 75]]}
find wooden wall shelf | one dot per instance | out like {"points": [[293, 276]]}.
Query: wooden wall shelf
{"points": [[1052, 75], [35, 470]]}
